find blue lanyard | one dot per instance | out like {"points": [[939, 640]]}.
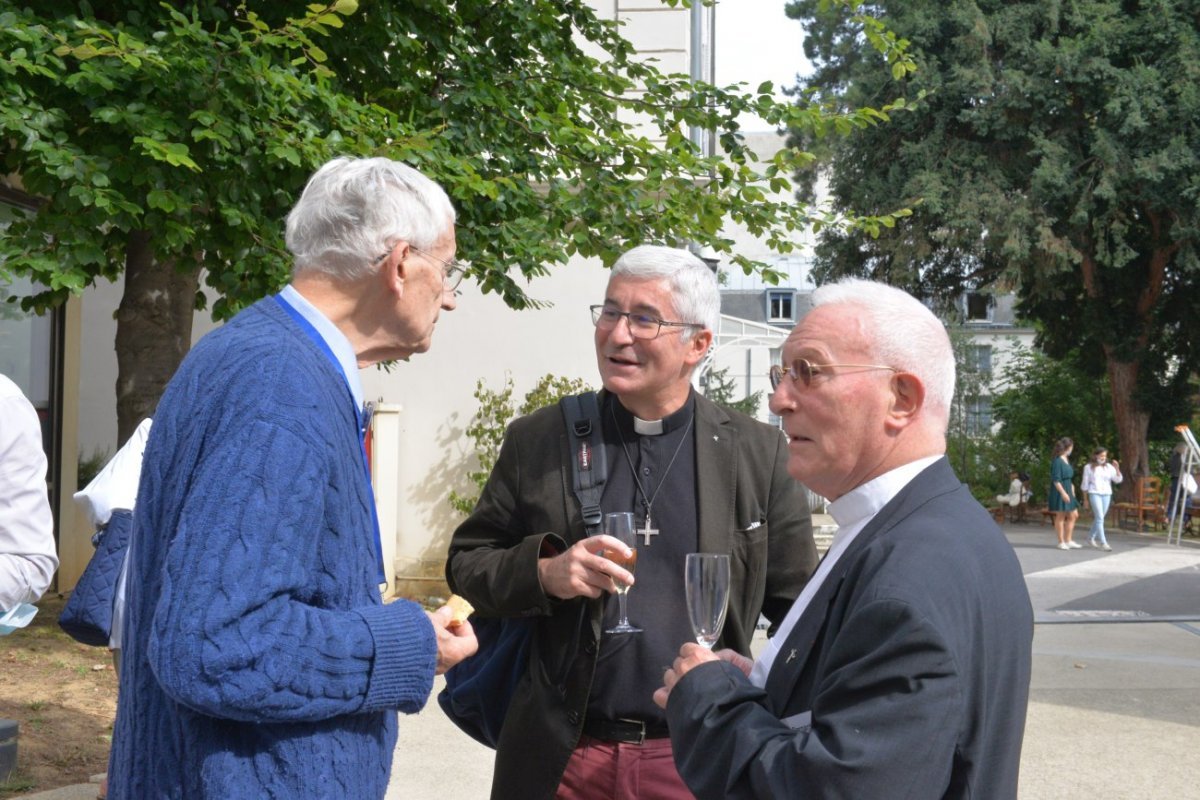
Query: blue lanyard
{"points": [[319, 340]]}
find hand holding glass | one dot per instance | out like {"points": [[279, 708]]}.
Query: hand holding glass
{"points": [[619, 525], [706, 582]]}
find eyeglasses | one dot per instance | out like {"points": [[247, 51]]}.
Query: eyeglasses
{"points": [[803, 370], [452, 273], [641, 326]]}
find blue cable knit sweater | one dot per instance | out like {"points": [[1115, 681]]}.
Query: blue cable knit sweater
{"points": [[258, 659]]}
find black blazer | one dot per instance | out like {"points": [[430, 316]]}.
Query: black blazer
{"points": [[747, 506], [906, 677]]}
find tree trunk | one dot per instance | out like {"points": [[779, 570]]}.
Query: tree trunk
{"points": [[154, 330], [1133, 424]]}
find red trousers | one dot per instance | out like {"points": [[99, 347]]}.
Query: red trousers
{"points": [[600, 770]]}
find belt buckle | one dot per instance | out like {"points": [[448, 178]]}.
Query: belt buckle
{"points": [[641, 729]]}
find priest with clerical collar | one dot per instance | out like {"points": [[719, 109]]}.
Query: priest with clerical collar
{"points": [[697, 478]]}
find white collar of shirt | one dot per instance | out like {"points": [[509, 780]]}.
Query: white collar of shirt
{"points": [[852, 511], [339, 345]]}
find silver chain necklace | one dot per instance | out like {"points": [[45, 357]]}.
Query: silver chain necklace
{"points": [[648, 499]]}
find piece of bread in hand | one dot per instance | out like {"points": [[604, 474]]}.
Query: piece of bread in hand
{"points": [[460, 610]]}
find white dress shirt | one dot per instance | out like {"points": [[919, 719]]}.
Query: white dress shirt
{"points": [[852, 512], [28, 557]]}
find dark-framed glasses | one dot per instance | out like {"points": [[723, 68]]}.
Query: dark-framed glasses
{"points": [[641, 326], [452, 271], [802, 370]]}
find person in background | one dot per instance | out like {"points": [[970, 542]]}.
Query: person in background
{"points": [[1026, 492], [1099, 475], [1016, 491], [903, 668], [1062, 500], [1174, 469], [258, 657], [699, 478], [28, 556]]}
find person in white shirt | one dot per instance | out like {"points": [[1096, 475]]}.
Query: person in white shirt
{"points": [[1016, 491], [28, 557], [1098, 478]]}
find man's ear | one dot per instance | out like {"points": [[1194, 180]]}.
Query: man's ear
{"points": [[394, 269], [697, 346], [908, 398]]}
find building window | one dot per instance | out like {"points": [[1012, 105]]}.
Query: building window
{"points": [[781, 305], [980, 358], [979, 307], [979, 416]]}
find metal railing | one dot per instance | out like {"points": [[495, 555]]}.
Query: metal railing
{"points": [[1178, 501]]}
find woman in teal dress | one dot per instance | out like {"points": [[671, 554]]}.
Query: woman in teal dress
{"points": [[1062, 494]]}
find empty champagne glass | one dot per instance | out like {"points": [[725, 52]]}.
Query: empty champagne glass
{"points": [[619, 525], [706, 582]]}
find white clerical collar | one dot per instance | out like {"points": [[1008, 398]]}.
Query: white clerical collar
{"points": [[675, 421], [337, 341], [647, 427], [864, 502]]}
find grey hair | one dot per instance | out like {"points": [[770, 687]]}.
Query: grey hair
{"points": [[902, 333], [693, 284], [354, 209]]}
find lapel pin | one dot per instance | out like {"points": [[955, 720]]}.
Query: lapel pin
{"points": [[791, 656]]}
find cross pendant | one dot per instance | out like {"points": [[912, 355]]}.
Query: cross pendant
{"points": [[647, 531]]}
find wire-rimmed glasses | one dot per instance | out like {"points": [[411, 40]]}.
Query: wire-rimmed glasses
{"points": [[641, 326], [452, 271], [802, 370]]}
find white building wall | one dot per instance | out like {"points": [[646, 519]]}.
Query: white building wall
{"points": [[481, 339]]}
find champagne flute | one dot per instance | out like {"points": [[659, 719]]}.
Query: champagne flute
{"points": [[706, 583], [619, 525]]}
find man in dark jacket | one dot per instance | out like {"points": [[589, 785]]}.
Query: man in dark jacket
{"points": [[903, 669], [583, 723]]}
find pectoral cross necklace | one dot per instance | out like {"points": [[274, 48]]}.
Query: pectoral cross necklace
{"points": [[648, 499]]}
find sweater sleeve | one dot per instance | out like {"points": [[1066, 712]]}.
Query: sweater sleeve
{"points": [[245, 627]]}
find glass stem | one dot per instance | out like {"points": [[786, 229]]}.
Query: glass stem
{"points": [[621, 600]]}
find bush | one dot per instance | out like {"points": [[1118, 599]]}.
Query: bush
{"points": [[491, 420]]}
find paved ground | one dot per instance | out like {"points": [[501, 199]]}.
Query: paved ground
{"points": [[1114, 707], [1115, 700]]}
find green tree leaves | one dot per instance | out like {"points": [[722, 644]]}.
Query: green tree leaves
{"points": [[1054, 153]]}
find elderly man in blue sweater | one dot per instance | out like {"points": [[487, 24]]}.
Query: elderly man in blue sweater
{"points": [[259, 659]]}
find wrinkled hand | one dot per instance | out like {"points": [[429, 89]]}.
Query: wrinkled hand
{"points": [[692, 655], [453, 644], [582, 571]]}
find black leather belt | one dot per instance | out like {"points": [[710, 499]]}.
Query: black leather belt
{"points": [[629, 731]]}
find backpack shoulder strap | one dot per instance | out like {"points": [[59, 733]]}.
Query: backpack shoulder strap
{"points": [[589, 466]]}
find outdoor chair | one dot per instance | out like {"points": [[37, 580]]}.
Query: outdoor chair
{"points": [[1146, 509]]}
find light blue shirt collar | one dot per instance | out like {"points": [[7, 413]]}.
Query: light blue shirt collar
{"points": [[335, 339]]}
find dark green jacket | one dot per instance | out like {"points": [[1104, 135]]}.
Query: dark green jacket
{"points": [[749, 507]]}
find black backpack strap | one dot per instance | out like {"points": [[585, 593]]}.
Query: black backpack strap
{"points": [[589, 466]]}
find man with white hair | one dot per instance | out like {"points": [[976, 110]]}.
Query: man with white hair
{"points": [[259, 660], [698, 478], [903, 668]]}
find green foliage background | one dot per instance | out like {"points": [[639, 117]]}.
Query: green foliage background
{"points": [[1052, 149], [491, 420]]}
